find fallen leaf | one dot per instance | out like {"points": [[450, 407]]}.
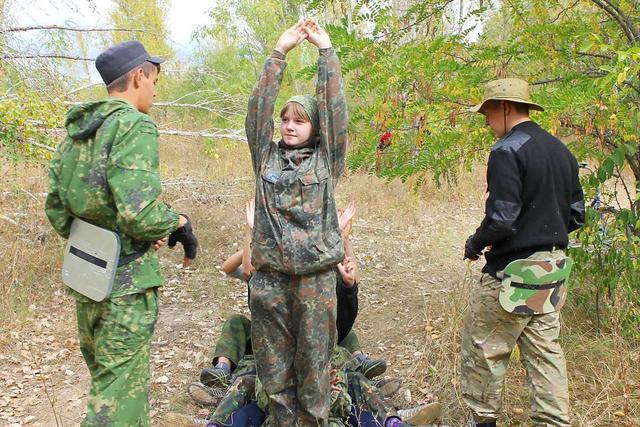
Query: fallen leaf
{"points": [[162, 379]]}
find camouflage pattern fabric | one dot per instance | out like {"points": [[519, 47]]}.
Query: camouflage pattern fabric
{"points": [[115, 340], [240, 393], [235, 340], [355, 389], [106, 171], [490, 335], [351, 342], [294, 332], [295, 246], [536, 286], [296, 224], [367, 398]]}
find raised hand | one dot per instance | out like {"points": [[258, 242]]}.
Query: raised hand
{"points": [[291, 38], [250, 209], [345, 218], [347, 269], [315, 34]]}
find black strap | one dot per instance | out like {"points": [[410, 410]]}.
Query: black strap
{"points": [[88, 257], [102, 263], [134, 256], [538, 287]]}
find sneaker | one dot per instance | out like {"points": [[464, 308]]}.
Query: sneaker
{"points": [[203, 395], [215, 377], [372, 368], [388, 386], [423, 414]]}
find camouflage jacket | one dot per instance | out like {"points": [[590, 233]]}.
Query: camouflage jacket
{"points": [[106, 172], [296, 225]]}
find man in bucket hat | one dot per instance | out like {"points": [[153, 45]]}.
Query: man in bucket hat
{"points": [[105, 172], [534, 201]]}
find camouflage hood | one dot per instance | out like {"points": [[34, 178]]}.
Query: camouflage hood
{"points": [[84, 120]]}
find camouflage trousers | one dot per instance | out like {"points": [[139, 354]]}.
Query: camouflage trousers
{"points": [[490, 335], [115, 340], [355, 394], [241, 392], [351, 342], [294, 332], [235, 340]]}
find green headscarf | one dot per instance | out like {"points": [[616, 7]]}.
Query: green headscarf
{"points": [[310, 105]]}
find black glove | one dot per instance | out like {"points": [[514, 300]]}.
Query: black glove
{"points": [[471, 251], [185, 236]]}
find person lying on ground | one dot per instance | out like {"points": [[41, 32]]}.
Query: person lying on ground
{"points": [[355, 401], [235, 338]]}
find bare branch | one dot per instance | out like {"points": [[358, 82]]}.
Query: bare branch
{"points": [[563, 11], [632, 86], [81, 88], [620, 18], [595, 55], [6, 218], [65, 28], [43, 56], [33, 142], [233, 134]]}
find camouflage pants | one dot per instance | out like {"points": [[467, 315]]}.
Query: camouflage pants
{"points": [[294, 332], [238, 395], [115, 340], [490, 335], [351, 342], [235, 340], [366, 398]]}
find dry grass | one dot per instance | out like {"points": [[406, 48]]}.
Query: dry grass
{"points": [[413, 297]]}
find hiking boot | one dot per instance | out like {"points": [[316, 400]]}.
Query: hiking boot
{"points": [[387, 387], [203, 395], [215, 377], [423, 414], [372, 368]]}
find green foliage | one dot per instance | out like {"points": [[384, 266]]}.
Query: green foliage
{"points": [[22, 118], [148, 18]]}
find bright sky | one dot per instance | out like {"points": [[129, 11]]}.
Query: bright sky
{"points": [[183, 17]]}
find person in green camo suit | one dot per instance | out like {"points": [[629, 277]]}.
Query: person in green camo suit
{"points": [[296, 240], [106, 172]]}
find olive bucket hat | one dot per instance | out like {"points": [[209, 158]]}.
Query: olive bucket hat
{"points": [[514, 90]]}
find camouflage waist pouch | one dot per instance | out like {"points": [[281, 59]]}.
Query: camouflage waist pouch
{"points": [[535, 286]]}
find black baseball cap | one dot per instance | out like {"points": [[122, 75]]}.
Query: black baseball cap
{"points": [[122, 58]]}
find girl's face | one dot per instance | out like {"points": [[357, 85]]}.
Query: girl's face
{"points": [[295, 129]]}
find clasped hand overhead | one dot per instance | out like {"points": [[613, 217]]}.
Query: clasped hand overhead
{"points": [[305, 29]]}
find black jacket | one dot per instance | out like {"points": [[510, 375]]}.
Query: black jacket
{"points": [[347, 307], [535, 198]]}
